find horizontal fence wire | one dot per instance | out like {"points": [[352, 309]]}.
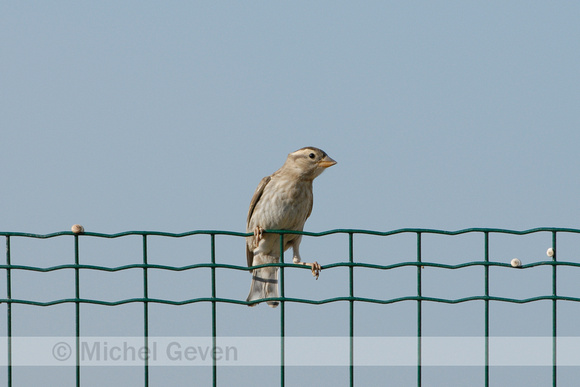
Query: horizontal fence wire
{"points": [[351, 298]]}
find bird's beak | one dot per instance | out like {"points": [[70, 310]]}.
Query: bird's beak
{"points": [[326, 162]]}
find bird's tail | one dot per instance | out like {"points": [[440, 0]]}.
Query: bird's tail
{"points": [[264, 285]]}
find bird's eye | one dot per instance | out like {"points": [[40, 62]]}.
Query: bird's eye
{"points": [[312, 156]]}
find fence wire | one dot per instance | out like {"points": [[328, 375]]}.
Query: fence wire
{"points": [[352, 264]]}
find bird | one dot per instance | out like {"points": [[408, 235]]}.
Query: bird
{"points": [[282, 201]]}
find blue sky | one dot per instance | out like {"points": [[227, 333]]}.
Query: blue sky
{"points": [[165, 116]]}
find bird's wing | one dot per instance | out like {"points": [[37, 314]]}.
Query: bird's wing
{"points": [[249, 256], [255, 200], [257, 196]]}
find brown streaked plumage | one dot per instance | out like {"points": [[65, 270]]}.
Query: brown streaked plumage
{"points": [[282, 201]]}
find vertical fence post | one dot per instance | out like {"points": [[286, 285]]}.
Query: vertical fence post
{"points": [[145, 311], [77, 313], [9, 311], [554, 310], [486, 329], [282, 311], [213, 312], [419, 311], [351, 289]]}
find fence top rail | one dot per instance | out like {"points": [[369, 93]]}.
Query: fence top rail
{"points": [[307, 233], [293, 265]]}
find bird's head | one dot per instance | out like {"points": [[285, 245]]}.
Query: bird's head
{"points": [[308, 162]]}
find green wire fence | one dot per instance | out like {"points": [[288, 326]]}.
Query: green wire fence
{"points": [[351, 298]]}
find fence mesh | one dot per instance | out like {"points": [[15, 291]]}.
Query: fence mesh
{"points": [[353, 264]]}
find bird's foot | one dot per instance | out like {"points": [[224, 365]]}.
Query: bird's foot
{"points": [[315, 266], [258, 234]]}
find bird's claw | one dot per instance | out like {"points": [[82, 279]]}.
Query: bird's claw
{"points": [[258, 233], [316, 268]]}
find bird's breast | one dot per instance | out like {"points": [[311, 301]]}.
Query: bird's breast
{"points": [[283, 206]]}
